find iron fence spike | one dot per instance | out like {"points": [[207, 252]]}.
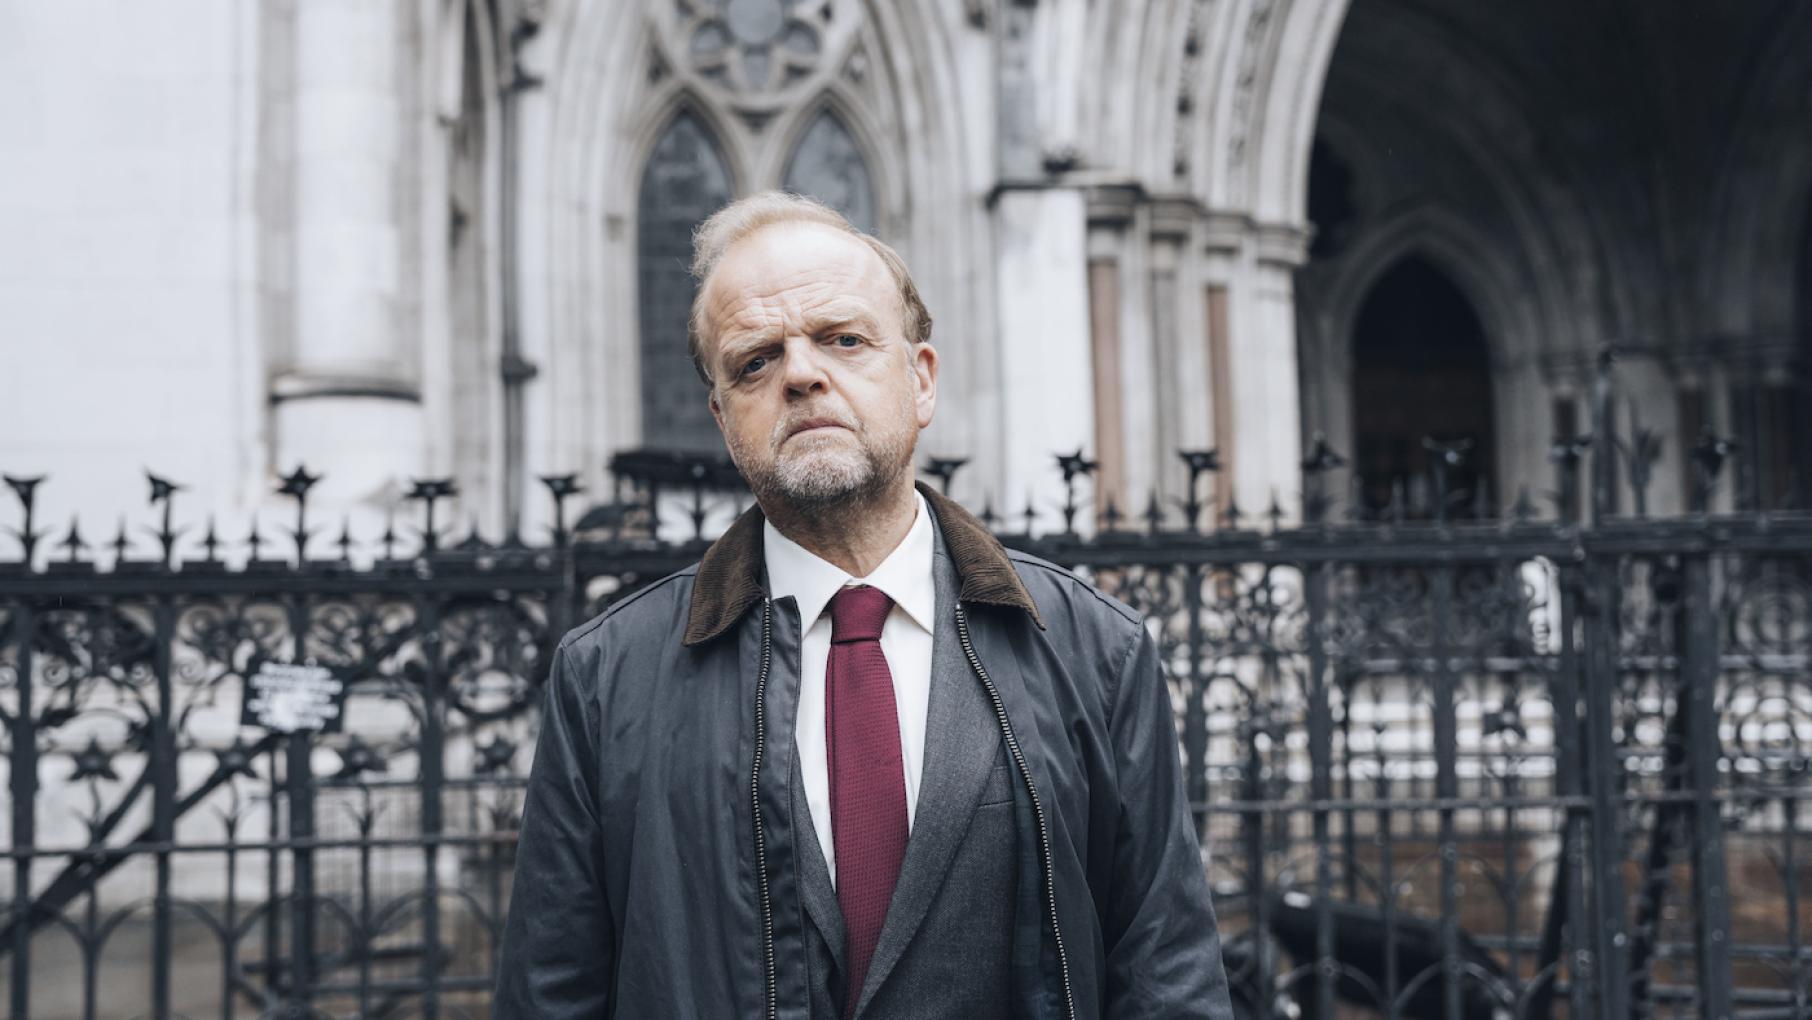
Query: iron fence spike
{"points": [[161, 489], [26, 490], [73, 540], [1075, 464], [944, 470], [121, 544], [255, 540], [1524, 510], [388, 538], [1321, 457]]}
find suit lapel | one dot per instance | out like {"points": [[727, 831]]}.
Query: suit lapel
{"points": [[962, 745], [814, 875]]}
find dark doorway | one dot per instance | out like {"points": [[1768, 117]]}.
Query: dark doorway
{"points": [[1421, 376]]}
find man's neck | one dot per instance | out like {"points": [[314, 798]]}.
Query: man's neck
{"points": [[855, 538]]}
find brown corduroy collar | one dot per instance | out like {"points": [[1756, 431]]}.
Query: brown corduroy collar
{"points": [[729, 575]]}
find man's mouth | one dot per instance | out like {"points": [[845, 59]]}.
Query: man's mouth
{"points": [[816, 425]]}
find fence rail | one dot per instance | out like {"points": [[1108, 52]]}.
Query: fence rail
{"points": [[1463, 766]]}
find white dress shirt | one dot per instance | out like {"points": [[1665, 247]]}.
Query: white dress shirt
{"points": [[905, 576]]}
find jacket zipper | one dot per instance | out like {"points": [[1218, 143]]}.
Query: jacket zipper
{"points": [[761, 842], [1025, 772]]}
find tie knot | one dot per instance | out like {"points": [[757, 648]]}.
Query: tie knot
{"points": [[857, 613]]}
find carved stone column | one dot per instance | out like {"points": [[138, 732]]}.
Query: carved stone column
{"points": [[346, 393], [1047, 376], [1262, 448]]}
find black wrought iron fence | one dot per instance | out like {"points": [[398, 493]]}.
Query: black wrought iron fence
{"points": [[1465, 766]]}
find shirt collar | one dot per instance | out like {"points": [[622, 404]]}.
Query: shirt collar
{"points": [[905, 575]]}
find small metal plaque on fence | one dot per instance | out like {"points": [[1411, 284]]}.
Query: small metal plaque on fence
{"points": [[292, 698]]}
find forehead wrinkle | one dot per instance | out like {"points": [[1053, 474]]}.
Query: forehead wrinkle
{"points": [[765, 285], [808, 309]]}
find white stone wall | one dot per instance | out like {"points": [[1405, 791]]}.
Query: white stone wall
{"points": [[127, 156]]}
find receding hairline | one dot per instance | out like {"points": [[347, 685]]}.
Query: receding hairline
{"points": [[742, 219]]}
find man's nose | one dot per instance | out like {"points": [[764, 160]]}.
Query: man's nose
{"points": [[804, 369]]}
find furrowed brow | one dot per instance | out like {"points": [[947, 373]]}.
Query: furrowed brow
{"points": [[737, 346], [851, 316]]}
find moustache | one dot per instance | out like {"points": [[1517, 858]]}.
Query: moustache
{"points": [[795, 423]]}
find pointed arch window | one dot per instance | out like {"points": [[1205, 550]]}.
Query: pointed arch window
{"points": [[827, 165], [1421, 372], [684, 181]]}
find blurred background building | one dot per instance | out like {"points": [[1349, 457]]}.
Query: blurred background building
{"points": [[394, 239]]}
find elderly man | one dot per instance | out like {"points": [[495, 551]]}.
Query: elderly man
{"points": [[860, 761]]}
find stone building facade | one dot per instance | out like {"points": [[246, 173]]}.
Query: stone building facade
{"points": [[395, 239]]}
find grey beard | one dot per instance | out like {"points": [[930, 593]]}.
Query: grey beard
{"points": [[811, 486], [827, 488]]}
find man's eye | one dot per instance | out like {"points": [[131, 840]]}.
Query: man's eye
{"points": [[848, 340], [753, 365]]}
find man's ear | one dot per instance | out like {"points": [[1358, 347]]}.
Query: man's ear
{"points": [[717, 411], [924, 372]]}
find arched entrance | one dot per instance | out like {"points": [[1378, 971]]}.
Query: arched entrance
{"points": [[1421, 384]]}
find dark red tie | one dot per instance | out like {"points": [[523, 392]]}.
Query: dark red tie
{"points": [[867, 776]]}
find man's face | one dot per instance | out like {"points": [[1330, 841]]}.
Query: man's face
{"points": [[818, 392]]}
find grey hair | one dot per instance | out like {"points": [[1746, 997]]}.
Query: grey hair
{"points": [[745, 216]]}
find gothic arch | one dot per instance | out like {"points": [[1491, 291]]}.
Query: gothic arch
{"points": [[1764, 193], [1422, 369], [681, 102], [1579, 282], [1494, 286], [1489, 281], [1288, 106], [1250, 125], [841, 111]]}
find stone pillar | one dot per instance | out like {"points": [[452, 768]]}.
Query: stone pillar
{"points": [[1109, 213], [1047, 390], [1262, 452], [346, 393]]}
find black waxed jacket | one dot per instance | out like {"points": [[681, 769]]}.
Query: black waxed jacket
{"points": [[648, 881]]}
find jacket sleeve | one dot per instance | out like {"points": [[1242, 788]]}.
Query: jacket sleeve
{"points": [[1163, 952], [559, 948]]}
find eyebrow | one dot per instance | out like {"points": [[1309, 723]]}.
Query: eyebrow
{"points": [[736, 343]]}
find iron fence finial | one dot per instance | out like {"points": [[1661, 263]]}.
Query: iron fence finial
{"points": [[27, 491], [429, 492], [1111, 516], [944, 469], [296, 485], [73, 541], [561, 488], [121, 545], [1708, 458], [1073, 466], [1198, 463]]}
